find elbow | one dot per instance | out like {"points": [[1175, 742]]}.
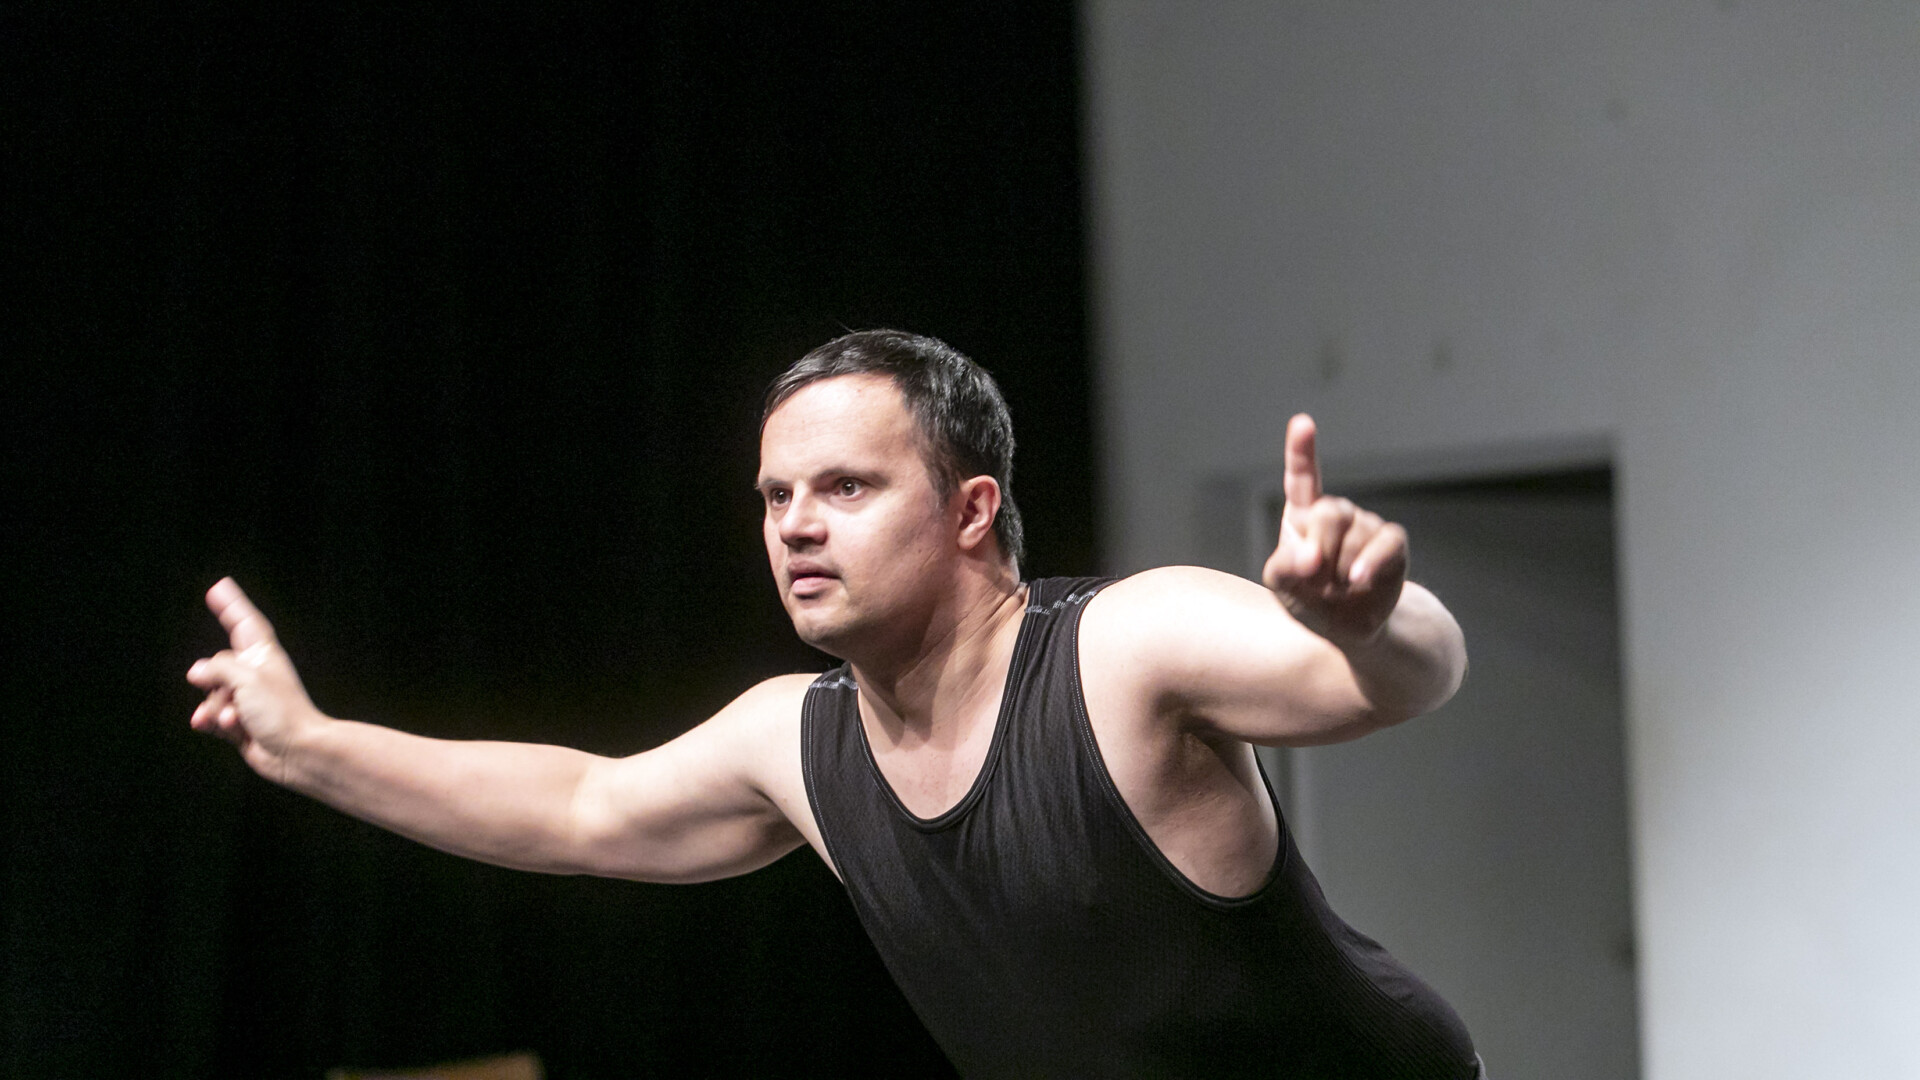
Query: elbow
{"points": [[1439, 651], [1451, 673], [1418, 688]]}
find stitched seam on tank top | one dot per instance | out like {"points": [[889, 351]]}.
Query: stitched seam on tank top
{"points": [[1070, 598], [1092, 745], [1022, 645]]}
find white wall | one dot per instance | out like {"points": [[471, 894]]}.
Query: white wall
{"points": [[1691, 228]]}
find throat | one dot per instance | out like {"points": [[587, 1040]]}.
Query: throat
{"points": [[931, 764], [931, 746], [930, 780]]}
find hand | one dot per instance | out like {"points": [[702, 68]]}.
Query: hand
{"points": [[254, 697], [1338, 569]]}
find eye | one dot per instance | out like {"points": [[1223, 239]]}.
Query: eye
{"points": [[778, 496], [848, 487]]}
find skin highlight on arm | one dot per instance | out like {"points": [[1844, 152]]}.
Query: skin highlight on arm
{"points": [[1219, 655], [714, 802], [1334, 643]]}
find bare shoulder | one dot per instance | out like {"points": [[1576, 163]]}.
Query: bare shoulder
{"points": [[768, 704], [1143, 631], [1207, 649], [1171, 589], [762, 726], [760, 729], [1171, 608]]}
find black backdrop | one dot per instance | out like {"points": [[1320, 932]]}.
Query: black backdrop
{"points": [[444, 333]]}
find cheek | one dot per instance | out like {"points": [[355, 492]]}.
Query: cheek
{"points": [[908, 544], [770, 536]]}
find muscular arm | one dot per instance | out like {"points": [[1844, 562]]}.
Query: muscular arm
{"points": [[1336, 644], [693, 809], [680, 812], [1222, 655]]}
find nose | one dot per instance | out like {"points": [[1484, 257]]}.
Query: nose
{"points": [[801, 525]]}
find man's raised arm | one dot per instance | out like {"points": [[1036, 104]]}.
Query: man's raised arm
{"points": [[1336, 644], [691, 810]]}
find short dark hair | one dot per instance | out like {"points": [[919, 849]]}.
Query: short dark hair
{"points": [[965, 429]]}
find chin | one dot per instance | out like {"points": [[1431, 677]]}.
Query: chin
{"points": [[822, 634]]}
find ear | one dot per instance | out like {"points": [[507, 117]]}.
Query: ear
{"points": [[978, 503]]}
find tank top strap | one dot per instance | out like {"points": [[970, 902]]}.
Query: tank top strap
{"points": [[1048, 597]]}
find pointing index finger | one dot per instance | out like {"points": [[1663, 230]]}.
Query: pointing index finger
{"points": [[245, 626], [1302, 481]]}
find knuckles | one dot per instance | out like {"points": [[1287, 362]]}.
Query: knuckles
{"points": [[1332, 510], [1326, 535]]}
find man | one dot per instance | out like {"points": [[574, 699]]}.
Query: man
{"points": [[1041, 796]]}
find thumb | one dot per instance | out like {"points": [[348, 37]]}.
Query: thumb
{"points": [[246, 627], [1294, 559]]}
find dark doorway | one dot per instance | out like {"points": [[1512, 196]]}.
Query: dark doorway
{"points": [[1487, 845]]}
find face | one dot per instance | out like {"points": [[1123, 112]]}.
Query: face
{"points": [[856, 532]]}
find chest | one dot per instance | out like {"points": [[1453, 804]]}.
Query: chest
{"points": [[932, 774]]}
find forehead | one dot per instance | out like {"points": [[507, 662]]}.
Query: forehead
{"points": [[844, 416]]}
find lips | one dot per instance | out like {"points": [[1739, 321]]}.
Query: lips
{"points": [[805, 578]]}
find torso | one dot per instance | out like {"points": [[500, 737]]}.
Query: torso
{"points": [[932, 770], [1201, 802], [929, 778], [1095, 893]]}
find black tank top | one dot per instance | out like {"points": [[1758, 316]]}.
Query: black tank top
{"points": [[1038, 931]]}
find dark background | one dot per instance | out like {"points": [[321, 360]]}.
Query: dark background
{"points": [[445, 333]]}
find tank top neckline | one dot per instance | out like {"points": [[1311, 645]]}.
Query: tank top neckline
{"points": [[1022, 645]]}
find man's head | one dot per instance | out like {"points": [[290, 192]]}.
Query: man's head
{"points": [[884, 459], [964, 427]]}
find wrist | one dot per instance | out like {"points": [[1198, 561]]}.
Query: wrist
{"points": [[1414, 661], [302, 738], [1348, 626]]}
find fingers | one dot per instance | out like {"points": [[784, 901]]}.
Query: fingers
{"points": [[222, 676], [1293, 561], [1328, 524], [217, 701], [221, 669], [245, 626], [1335, 543], [1380, 557], [218, 715], [1302, 480], [1311, 541], [219, 674]]}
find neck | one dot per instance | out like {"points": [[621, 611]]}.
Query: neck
{"points": [[935, 691]]}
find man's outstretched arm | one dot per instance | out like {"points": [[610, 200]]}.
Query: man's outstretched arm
{"points": [[1335, 643], [689, 810]]}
